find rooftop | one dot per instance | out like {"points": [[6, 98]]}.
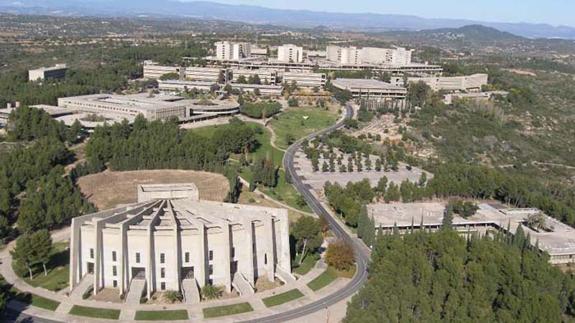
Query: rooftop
{"points": [[363, 84], [560, 239]]}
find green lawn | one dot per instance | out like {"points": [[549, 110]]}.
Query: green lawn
{"points": [[294, 122], [166, 315], [326, 278], [282, 298], [218, 311], [306, 265], [35, 300], [286, 193], [58, 270], [101, 313]]}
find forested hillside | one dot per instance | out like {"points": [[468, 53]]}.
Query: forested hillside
{"points": [[441, 277]]}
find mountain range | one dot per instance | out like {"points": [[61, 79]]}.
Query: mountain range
{"points": [[259, 15]]}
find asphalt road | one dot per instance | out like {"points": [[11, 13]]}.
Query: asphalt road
{"points": [[362, 253]]}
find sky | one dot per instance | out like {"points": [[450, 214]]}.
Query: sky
{"points": [[554, 12]]}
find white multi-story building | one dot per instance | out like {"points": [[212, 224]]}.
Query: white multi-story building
{"points": [[304, 79], [290, 53], [369, 55], [371, 89], [205, 74], [472, 82], [232, 51], [266, 76], [57, 71], [171, 240]]}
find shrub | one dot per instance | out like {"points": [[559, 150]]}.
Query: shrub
{"points": [[212, 292], [340, 255]]}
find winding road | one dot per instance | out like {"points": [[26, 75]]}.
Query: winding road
{"points": [[362, 253]]}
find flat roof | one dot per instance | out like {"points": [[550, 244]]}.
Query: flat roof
{"points": [[167, 187], [364, 84], [560, 240]]}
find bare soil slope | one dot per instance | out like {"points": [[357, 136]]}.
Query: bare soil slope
{"points": [[108, 189]]}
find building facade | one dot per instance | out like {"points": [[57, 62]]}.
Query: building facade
{"points": [[369, 55], [371, 89], [557, 239], [290, 54], [45, 73], [228, 51], [472, 82], [304, 79], [173, 241]]}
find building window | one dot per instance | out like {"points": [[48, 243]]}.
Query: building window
{"points": [[210, 269], [233, 252], [211, 255], [114, 271], [137, 257], [187, 257], [163, 273], [92, 253], [162, 258], [115, 283], [113, 256], [265, 259], [163, 286]]}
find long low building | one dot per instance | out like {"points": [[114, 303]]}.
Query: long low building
{"points": [[176, 86], [266, 76], [370, 89], [472, 82], [304, 79], [57, 71], [558, 239], [93, 110], [171, 240]]}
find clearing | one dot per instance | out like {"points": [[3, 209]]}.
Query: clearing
{"points": [[300, 122], [109, 189]]}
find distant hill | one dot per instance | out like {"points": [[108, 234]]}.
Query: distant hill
{"points": [[463, 37], [260, 15]]}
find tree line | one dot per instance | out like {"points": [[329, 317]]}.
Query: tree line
{"points": [[446, 278]]}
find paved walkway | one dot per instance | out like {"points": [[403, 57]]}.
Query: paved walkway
{"points": [[128, 311]]}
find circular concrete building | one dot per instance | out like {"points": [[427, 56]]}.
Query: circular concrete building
{"points": [[171, 240]]}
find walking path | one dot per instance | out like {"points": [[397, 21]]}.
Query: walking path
{"points": [[128, 310]]}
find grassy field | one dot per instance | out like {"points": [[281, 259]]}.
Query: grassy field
{"points": [[101, 313], [108, 189], [300, 122], [264, 148], [58, 270], [252, 198], [35, 300], [286, 193], [306, 265], [165, 315], [282, 298], [326, 278], [218, 311]]}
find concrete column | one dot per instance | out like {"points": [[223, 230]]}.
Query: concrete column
{"points": [[226, 265], [176, 264], [246, 263], [282, 239], [150, 263], [75, 263], [98, 249], [202, 275], [269, 241], [122, 257]]}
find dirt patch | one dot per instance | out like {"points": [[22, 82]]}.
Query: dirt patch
{"points": [[109, 189]]}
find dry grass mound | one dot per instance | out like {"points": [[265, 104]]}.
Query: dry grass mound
{"points": [[109, 189]]}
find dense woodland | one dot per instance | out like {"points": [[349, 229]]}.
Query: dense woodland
{"points": [[162, 145], [441, 277]]}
